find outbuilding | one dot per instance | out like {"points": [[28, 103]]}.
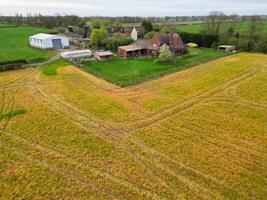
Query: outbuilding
{"points": [[227, 48], [48, 41], [103, 55], [76, 54]]}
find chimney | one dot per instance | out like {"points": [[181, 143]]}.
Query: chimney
{"points": [[86, 31], [70, 29], [171, 38]]}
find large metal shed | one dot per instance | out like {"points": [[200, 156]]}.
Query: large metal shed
{"points": [[48, 41]]}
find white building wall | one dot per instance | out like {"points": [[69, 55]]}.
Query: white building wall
{"points": [[47, 43], [134, 34]]}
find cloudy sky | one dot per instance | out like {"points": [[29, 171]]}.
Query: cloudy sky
{"points": [[132, 7]]}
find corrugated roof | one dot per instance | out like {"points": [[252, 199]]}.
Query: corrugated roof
{"points": [[132, 47], [76, 52], [42, 36], [104, 53]]}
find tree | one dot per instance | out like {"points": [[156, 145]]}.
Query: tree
{"points": [[98, 38], [255, 24], [214, 22], [146, 26], [150, 35], [165, 53]]}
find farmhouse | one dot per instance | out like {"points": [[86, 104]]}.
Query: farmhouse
{"points": [[76, 54], [151, 47], [48, 41], [103, 55]]}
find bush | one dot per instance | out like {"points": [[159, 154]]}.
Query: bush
{"points": [[165, 53], [8, 115], [11, 65]]}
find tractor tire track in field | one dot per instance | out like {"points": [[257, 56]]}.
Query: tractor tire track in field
{"points": [[198, 173], [80, 117], [60, 171], [78, 164], [3, 101], [234, 80], [125, 147], [218, 155], [90, 124], [104, 130], [13, 79], [185, 105], [9, 107], [239, 146]]}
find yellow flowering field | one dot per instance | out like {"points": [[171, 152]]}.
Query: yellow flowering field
{"points": [[200, 133]]}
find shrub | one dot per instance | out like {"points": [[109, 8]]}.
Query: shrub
{"points": [[14, 113], [165, 53], [203, 40]]}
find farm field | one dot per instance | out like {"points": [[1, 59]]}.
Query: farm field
{"points": [[14, 44], [241, 27], [132, 71], [195, 134]]}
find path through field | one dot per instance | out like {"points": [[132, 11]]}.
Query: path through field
{"points": [[195, 134]]}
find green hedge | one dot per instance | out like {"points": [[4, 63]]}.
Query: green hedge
{"points": [[203, 40], [11, 65]]}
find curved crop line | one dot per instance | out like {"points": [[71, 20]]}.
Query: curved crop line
{"points": [[174, 110], [60, 171], [106, 128], [195, 171], [216, 155], [79, 164]]}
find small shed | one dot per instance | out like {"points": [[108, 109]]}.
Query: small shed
{"points": [[227, 48], [76, 54], [48, 41], [130, 51], [103, 55]]}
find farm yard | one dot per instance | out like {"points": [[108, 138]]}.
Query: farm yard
{"points": [[136, 70], [199, 133], [15, 46]]}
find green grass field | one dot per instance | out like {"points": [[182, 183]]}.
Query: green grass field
{"points": [[241, 27], [196, 134], [132, 71], [14, 44]]}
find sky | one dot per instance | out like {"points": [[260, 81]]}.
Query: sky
{"points": [[133, 7]]}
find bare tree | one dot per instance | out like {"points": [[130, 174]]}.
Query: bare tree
{"points": [[214, 22], [255, 24]]}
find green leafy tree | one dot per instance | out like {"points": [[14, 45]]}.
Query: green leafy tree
{"points": [[150, 35], [98, 38], [165, 53], [146, 26]]}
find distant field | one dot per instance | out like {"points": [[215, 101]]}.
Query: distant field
{"points": [[196, 134], [14, 44], [132, 71], [241, 27]]}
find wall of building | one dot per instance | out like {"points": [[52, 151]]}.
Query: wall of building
{"points": [[47, 43]]}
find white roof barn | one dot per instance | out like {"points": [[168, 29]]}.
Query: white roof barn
{"points": [[48, 41]]}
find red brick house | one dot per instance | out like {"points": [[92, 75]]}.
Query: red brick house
{"points": [[151, 47]]}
